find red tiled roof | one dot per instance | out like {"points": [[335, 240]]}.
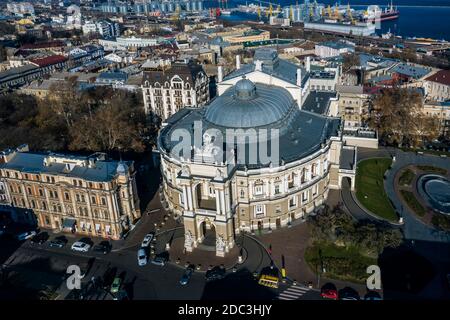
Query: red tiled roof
{"points": [[47, 61], [442, 77]]}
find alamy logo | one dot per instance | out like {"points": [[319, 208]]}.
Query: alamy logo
{"points": [[74, 280], [374, 280]]}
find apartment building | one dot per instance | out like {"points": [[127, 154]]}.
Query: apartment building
{"points": [[87, 195], [167, 88]]}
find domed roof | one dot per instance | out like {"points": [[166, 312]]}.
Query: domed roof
{"points": [[122, 168], [249, 105], [245, 89]]}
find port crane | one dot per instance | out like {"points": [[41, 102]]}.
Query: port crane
{"points": [[350, 15]]}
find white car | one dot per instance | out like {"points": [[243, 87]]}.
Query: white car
{"points": [[26, 235], [80, 246], [142, 257], [147, 239]]}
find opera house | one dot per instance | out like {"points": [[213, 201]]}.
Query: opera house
{"points": [[252, 158]]}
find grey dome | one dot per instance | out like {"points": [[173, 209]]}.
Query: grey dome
{"points": [[245, 89], [122, 168], [249, 105]]}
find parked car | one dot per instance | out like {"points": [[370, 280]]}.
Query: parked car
{"points": [[159, 261], [147, 239], [40, 238], [372, 295], [215, 273], [103, 247], [121, 295], [115, 287], [109, 277], [348, 293], [142, 257], [186, 276], [58, 242], [329, 291], [329, 294], [25, 235], [81, 246]]}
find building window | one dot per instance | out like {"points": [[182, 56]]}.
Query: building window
{"points": [[181, 199], [93, 200], [315, 189], [277, 189], [41, 192], [304, 196], [292, 202], [29, 190], [258, 190], [66, 196], [103, 201], [259, 210]]}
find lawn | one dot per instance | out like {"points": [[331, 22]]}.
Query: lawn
{"points": [[412, 202], [370, 189], [342, 263], [406, 178], [433, 169]]}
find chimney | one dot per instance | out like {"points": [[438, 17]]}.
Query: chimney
{"points": [[258, 65], [91, 163], [219, 74], [299, 77], [308, 64], [238, 62]]}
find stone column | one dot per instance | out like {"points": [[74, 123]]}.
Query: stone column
{"points": [[189, 196], [222, 200], [217, 202], [185, 203]]}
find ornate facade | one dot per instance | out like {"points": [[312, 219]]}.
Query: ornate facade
{"points": [[213, 188], [86, 195], [168, 88]]}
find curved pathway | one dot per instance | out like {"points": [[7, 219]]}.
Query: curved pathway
{"points": [[413, 228], [353, 207]]}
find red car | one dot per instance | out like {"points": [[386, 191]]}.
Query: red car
{"points": [[329, 294]]}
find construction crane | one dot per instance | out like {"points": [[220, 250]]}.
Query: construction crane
{"points": [[176, 15], [349, 14], [336, 14], [330, 14], [270, 11]]}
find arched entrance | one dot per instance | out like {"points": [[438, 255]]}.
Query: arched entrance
{"points": [[347, 182], [208, 232]]}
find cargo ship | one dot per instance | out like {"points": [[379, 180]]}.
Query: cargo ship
{"points": [[390, 13]]}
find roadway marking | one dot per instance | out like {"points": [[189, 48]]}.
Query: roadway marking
{"points": [[294, 292]]}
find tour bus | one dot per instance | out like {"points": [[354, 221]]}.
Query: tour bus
{"points": [[268, 281]]}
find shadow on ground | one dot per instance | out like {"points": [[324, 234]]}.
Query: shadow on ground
{"points": [[237, 286], [404, 273]]}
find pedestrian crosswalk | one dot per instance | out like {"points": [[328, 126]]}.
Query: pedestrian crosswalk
{"points": [[294, 292]]}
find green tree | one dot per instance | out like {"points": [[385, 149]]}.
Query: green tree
{"points": [[394, 114]]}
